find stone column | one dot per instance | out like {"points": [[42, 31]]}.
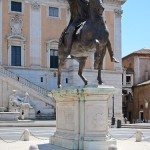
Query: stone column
{"points": [[117, 36], [82, 118]]}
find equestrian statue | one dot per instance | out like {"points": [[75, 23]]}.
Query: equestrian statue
{"points": [[85, 34]]}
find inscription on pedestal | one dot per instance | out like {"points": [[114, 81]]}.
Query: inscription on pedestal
{"points": [[66, 117], [96, 117]]}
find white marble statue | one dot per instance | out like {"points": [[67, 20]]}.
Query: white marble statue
{"points": [[15, 100], [22, 105]]}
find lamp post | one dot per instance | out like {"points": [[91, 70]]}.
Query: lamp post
{"points": [[146, 107], [113, 118], [146, 104]]}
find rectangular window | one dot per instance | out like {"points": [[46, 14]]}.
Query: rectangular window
{"points": [[41, 79], [66, 80], [53, 58], [16, 6], [16, 55], [53, 11], [128, 80]]}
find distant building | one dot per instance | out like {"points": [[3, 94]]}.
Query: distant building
{"points": [[141, 103], [136, 78], [29, 35]]}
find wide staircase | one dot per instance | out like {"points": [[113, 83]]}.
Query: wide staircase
{"points": [[27, 86]]}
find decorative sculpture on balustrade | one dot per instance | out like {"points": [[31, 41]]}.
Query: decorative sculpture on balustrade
{"points": [[21, 104], [16, 102]]}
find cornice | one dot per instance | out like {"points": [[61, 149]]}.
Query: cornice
{"points": [[42, 2], [118, 2], [18, 36]]}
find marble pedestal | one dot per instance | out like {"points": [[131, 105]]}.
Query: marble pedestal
{"points": [[82, 118]]}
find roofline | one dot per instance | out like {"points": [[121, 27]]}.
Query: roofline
{"points": [[141, 84], [135, 53], [128, 55]]}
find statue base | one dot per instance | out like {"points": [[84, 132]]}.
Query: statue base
{"points": [[82, 118]]}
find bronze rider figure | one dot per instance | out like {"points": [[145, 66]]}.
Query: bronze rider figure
{"points": [[79, 13]]}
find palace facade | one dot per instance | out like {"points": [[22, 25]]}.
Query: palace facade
{"points": [[29, 35]]}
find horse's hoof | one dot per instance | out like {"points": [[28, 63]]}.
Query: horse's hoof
{"points": [[68, 57], [101, 83], [59, 86], [85, 83], [114, 60]]}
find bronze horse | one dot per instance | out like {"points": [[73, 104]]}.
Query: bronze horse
{"points": [[91, 37]]}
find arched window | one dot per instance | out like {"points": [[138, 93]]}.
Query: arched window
{"points": [[16, 47], [52, 54]]}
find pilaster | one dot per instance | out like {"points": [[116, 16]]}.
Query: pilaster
{"points": [[0, 32], [1, 92], [35, 33], [117, 37]]}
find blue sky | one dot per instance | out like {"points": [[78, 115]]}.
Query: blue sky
{"points": [[135, 26]]}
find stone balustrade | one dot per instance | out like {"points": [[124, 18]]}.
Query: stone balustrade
{"points": [[24, 81], [9, 116]]}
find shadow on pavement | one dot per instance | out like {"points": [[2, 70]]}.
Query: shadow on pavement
{"points": [[50, 147]]}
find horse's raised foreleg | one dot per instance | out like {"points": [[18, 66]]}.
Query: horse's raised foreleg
{"points": [[110, 51], [61, 64], [82, 61]]}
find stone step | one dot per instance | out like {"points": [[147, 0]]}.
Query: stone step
{"points": [[137, 126], [46, 117]]}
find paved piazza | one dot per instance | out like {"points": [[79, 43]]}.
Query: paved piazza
{"points": [[41, 136]]}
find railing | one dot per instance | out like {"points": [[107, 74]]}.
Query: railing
{"points": [[24, 81], [128, 83]]}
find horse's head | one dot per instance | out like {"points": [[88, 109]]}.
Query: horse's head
{"points": [[96, 7]]}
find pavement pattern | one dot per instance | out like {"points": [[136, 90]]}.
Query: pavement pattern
{"points": [[129, 144], [44, 145]]}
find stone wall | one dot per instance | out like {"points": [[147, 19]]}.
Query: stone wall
{"points": [[141, 95]]}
